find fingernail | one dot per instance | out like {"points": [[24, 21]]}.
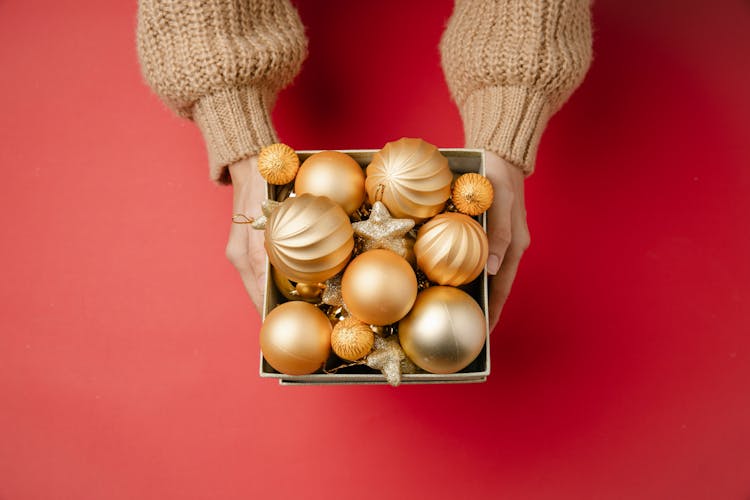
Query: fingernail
{"points": [[493, 264]]}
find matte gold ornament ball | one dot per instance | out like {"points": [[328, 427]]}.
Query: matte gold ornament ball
{"points": [[278, 164], [335, 175], [472, 194], [411, 177], [296, 338], [379, 287], [451, 249], [309, 238], [352, 339], [444, 331]]}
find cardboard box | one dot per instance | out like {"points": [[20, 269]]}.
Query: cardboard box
{"points": [[460, 161]]}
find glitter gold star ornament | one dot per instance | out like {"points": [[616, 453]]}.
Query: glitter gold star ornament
{"points": [[332, 292], [267, 207], [388, 357], [383, 231]]}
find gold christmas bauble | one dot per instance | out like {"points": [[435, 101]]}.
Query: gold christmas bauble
{"points": [[310, 292], [309, 238], [451, 249], [278, 164], [296, 338], [444, 331], [351, 339], [379, 287], [472, 194], [411, 177], [335, 175]]}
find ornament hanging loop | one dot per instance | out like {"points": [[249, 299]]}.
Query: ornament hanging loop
{"points": [[242, 219]]}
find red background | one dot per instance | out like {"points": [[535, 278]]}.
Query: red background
{"points": [[129, 352]]}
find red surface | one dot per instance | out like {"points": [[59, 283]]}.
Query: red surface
{"points": [[128, 352]]}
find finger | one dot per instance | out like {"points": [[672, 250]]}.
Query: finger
{"points": [[501, 284], [237, 254], [257, 257], [499, 228]]}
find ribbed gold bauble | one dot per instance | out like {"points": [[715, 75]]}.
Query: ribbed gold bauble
{"points": [[451, 249], [278, 164], [444, 331], [296, 338], [335, 175], [472, 194], [351, 339], [309, 238], [379, 287], [411, 177]]}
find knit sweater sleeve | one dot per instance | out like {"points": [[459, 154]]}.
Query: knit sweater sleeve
{"points": [[510, 65], [221, 63]]}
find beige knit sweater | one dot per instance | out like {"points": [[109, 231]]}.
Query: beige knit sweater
{"points": [[510, 65]]}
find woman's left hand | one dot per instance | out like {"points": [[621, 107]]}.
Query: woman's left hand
{"points": [[507, 231]]}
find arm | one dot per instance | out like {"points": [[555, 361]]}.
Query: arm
{"points": [[221, 63], [510, 65]]}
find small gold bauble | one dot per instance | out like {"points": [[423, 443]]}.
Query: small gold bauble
{"points": [[335, 175], [310, 292], [296, 338], [472, 194], [379, 287], [411, 177], [351, 339], [285, 287], [451, 249], [309, 238], [278, 164], [444, 331]]}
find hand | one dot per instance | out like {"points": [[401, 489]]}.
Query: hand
{"points": [[507, 231], [245, 246]]}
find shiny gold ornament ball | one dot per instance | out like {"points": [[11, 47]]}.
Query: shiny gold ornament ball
{"points": [[451, 249], [296, 338], [309, 238], [335, 175], [351, 339], [379, 287], [411, 177], [310, 292], [444, 331], [472, 194], [278, 164]]}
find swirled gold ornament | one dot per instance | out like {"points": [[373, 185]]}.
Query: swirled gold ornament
{"points": [[411, 177], [379, 287], [296, 338], [444, 331], [335, 175], [309, 238], [451, 249], [278, 164], [472, 194], [352, 339]]}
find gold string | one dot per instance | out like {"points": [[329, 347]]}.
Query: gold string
{"points": [[242, 219]]}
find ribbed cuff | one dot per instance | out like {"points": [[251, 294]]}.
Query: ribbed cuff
{"points": [[236, 123], [506, 120]]}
